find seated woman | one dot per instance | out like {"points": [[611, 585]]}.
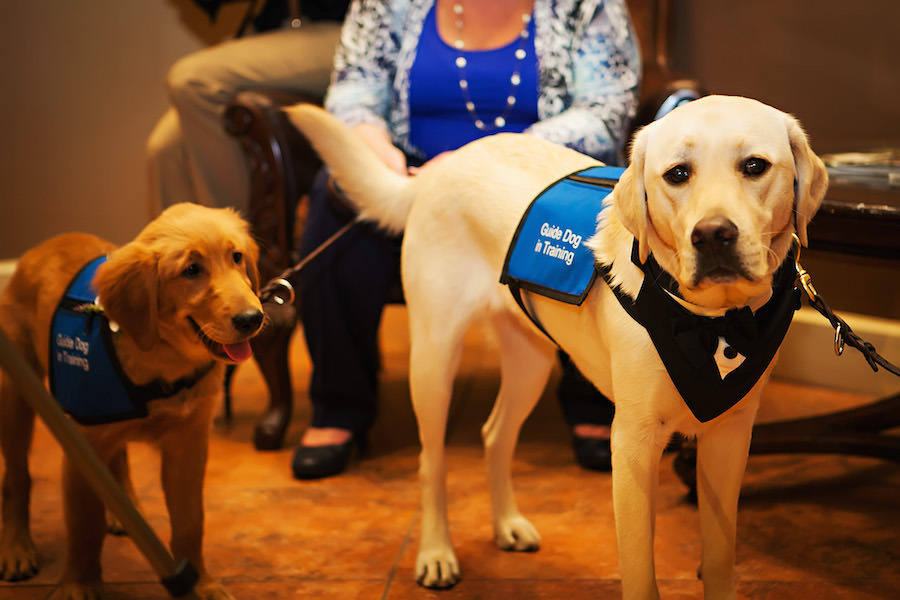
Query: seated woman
{"points": [[417, 79]]}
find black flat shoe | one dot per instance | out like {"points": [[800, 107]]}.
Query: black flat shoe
{"points": [[318, 462], [592, 453]]}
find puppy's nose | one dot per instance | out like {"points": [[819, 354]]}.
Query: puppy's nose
{"points": [[714, 234], [247, 321]]}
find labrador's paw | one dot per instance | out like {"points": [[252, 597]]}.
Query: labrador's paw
{"points": [[437, 568], [517, 533]]}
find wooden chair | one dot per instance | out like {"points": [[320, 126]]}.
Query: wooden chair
{"points": [[282, 165]]}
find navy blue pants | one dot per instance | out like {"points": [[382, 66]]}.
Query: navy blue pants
{"points": [[342, 295], [580, 401]]}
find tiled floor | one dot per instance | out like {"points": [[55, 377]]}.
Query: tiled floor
{"points": [[810, 527]]}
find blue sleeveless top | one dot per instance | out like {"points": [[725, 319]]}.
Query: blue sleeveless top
{"points": [[439, 120]]}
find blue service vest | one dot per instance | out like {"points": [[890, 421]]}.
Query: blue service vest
{"points": [[548, 255], [85, 375]]}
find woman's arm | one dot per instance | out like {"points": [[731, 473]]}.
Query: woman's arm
{"points": [[594, 113], [364, 65], [359, 94]]}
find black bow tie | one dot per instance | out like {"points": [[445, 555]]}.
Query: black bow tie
{"points": [[698, 337]]}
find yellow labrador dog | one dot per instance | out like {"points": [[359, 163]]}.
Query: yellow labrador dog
{"points": [[713, 194]]}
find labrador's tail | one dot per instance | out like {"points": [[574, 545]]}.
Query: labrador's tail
{"points": [[379, 194]]}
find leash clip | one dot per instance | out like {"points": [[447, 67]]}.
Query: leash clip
{"points": [[279, 291], [843, 334], [803, 274], [838, 340]]}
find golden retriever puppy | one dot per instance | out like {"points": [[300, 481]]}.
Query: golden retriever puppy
{"points": [[712, 196], [169, 309]]}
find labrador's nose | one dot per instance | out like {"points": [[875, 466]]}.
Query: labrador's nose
{"points": [[247, 321], [713, 235]]}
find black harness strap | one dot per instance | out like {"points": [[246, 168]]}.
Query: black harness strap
{"points": [[516, 290], [160, 388]]}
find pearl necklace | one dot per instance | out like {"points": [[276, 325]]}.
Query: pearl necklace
{"points": [[514, 80]]}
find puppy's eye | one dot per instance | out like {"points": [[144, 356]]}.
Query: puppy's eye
{"points": [[677, 174], [191, 271], [755, 166], [238, 257]]}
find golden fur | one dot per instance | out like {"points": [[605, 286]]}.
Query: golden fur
{"points": [[459, 216], [190, 264]]}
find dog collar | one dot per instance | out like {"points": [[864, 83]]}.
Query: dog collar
{"points": [[713, 361], [85, 374]]}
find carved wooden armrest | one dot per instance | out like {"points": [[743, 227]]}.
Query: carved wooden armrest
{"points": [[281, 166]]}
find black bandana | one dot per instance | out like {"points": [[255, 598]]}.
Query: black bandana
{"points": [[687, 343]]}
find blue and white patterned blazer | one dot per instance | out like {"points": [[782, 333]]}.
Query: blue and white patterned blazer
{"points": [[588, 63]]}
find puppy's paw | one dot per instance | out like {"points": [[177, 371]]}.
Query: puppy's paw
{"points": [[437, 568], [517, 533], [76, 591], [114, 526], [212, 590], [18, 558]]}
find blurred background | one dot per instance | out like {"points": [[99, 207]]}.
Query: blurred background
{"points": [[84, 85]]}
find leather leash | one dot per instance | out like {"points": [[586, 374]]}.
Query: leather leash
{"points": [[280, 289], [843, 334]]}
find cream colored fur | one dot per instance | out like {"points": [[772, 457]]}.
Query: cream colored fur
{"points": [[459, 216]]}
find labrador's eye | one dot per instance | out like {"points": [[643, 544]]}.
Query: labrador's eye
{"points": [[755, 166], [191, 271], [238, 257], [677, 174]]}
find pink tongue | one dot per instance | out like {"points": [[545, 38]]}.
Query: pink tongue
{"points": [[238, 352]]}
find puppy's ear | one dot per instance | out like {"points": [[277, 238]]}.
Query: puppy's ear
{"points": [[128, 287], [630, 195], [252, 262], [810, 178]]}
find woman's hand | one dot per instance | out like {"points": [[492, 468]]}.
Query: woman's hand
{"points": [[379, 140], [433, 161]]}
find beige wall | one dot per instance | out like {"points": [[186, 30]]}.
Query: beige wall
{"points": [[832, 63], [82, 89]]}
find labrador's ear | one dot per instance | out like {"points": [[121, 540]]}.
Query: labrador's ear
{"points": [[128, 286], [630, 195], [810, 178]]}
